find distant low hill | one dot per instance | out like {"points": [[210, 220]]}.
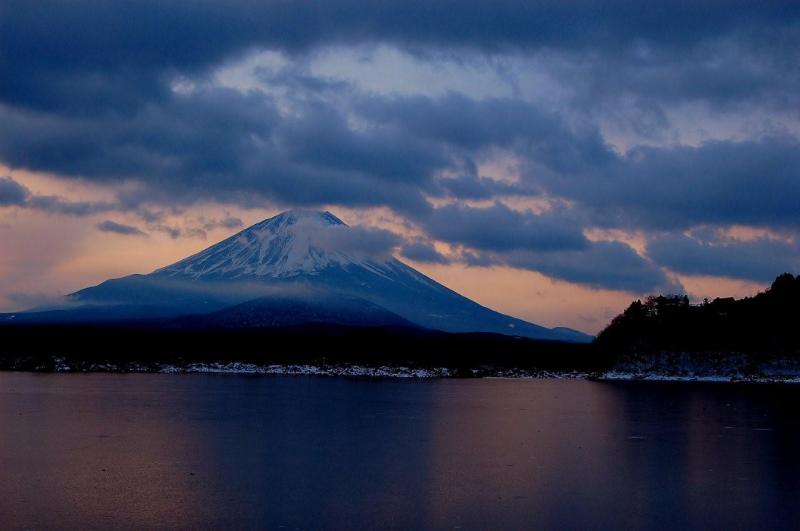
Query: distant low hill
{"points": [[765, 323]]}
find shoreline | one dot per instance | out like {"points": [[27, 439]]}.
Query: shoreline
{"points": [[401, 372]]}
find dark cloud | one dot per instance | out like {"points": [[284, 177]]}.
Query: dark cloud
{"points": [[197, 228], [549, 243], [81, 56], [473, 187], [172, 232], [222, 144], [316, 156], [752, 182], [636, 88], [119, 228], [12, 193], [228, 222], [227, 145], [194, 232], [360, 242], [608, 265], [468, 126], [57, 205], [423, 251], [146, 33], [759, 260], [207, 132], [321, 136], [89, 91], [498, 228], [602, 265], [478, 259], [178, 232]]}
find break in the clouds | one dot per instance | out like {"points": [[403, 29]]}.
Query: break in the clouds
{"points": [[507, 130]]}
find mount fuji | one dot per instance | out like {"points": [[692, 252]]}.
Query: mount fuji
{"points": [[299, 267]]}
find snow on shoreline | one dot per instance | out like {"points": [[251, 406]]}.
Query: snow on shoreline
{"points": [[391, 371], [706, 378], [443, 372], [307, 370]]}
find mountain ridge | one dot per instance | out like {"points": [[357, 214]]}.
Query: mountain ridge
{"points": [[294, 251]]}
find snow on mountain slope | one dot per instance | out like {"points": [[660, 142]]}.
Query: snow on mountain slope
{"points": [[295, 252], [297, 242]]}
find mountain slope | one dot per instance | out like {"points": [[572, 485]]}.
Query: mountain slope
{"points": [[283, 310], [292, 253]]}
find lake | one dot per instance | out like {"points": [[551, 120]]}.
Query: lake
{"points": [[149, 451]]}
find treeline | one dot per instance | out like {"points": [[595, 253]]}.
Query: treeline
{"points": [[39, 347], [765, 323]]}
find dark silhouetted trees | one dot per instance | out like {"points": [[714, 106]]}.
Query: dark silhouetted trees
{"points": [[767, 322]]}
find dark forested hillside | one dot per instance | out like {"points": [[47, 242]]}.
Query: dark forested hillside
{"points": [[767, 322], [150, 344]]}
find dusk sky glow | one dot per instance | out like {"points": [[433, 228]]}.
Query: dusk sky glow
{"points": [[551, 160]]}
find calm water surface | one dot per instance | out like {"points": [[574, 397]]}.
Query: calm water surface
{"points": [[193, 451]]}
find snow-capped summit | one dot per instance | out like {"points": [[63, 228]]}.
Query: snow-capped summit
{"points": [[295, 242], [305, 262]]}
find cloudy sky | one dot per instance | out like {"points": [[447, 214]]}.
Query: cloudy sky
{"points": [[550, 159]]}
